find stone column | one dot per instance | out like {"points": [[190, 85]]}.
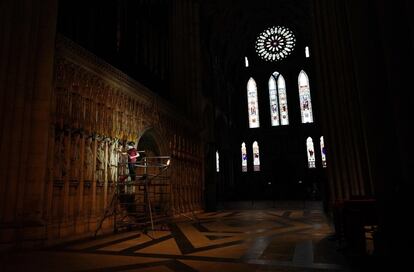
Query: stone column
{"points": [[94, 178], [81, 213], [210, 193], [362, 49], [66, 176], [106, 169], [344, 128], [27, 52]]}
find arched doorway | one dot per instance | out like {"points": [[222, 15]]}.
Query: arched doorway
{"points": [[148, 145], [153, 142], [155, 189]]}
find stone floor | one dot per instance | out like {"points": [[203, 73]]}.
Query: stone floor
{"points": [[232, 240]]}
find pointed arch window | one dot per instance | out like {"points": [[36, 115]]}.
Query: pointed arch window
{"points": [[246, 62], [305, 98], [323, 152], [252, 104], [278, 100], [281, 88], [274, 104], [311, 152], [217, 162], [244, 157], [307, 51], [256, 156]]}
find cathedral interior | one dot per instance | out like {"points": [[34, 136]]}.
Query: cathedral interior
{"points": [[192, 135]]}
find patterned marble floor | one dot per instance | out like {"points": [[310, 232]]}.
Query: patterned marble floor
{"points": [[245, 240]]}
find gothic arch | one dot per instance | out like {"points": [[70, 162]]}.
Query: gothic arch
{"points": [[152, 133]]}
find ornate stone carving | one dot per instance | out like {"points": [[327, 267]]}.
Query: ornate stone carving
{"points": [[113, 160], [100, 103], [58, 156], [74, 158], [100, 160], [88, 160]]}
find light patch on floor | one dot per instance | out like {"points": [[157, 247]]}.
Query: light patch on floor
{"points": [[166, 247], [235, 251]]}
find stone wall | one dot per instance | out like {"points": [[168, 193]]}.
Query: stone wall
{"points": [[97, 108]]}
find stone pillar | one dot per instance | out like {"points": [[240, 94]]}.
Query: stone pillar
{"points": [[66, 176], [81, 213], [362, 49], [344, 128], [27, 52], [210, 193], [94, 178], [106, 169]]}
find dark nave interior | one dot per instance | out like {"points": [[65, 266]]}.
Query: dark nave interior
{"points": [[317, 114]]}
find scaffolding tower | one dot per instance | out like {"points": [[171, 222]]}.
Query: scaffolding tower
{"points": [[141, 202]]}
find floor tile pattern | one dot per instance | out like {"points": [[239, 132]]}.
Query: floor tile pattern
{"points": [[244, 240]]}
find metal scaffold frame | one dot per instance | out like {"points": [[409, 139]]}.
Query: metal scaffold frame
{"points": [[142, 200]]}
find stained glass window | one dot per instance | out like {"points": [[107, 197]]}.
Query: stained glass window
{"points": [[217, 162], [246, 62], [274, 104], [253, 106], [307, 51], [311, 153], [256, 157], [323, 152], [278, 100], [281, 88], [244, 157], [275, 43], [305, 98]]}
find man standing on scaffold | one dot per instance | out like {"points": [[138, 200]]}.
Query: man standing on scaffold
{"points": [[132, 159]]}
